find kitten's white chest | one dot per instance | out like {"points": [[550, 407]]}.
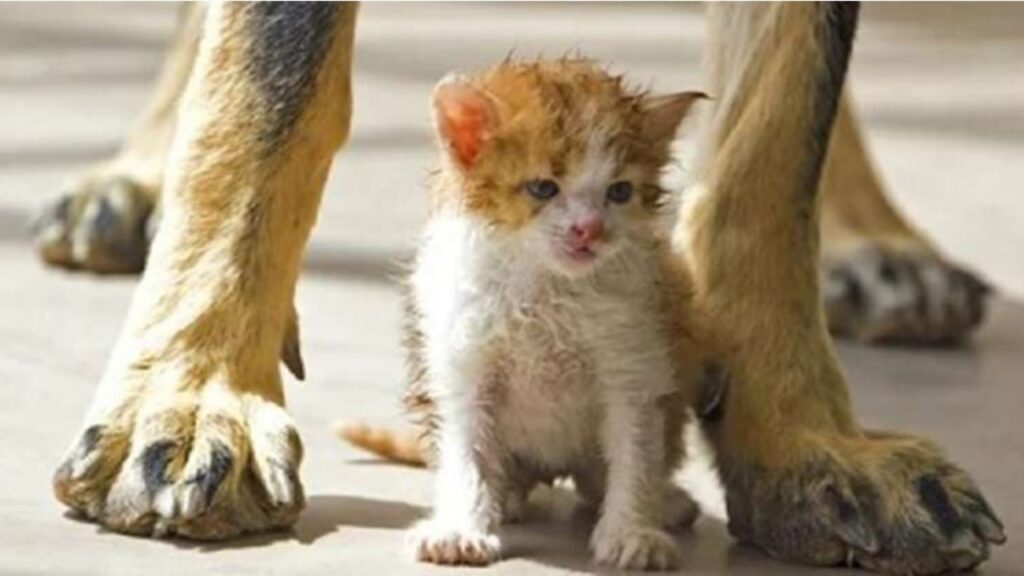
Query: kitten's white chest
{"points": [[548, 388], [538, 346]]}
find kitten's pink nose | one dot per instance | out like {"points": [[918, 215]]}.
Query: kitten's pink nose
{"points": [[587, 230]]}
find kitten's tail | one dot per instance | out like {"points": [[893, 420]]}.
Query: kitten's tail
{"points": [[403, 446]]}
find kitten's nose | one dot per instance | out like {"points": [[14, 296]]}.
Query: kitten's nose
{"points": [[587, 230]]}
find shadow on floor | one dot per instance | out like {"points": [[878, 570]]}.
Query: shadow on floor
{"points": [[324, 515]]}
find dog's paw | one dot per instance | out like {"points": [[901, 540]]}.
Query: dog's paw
{"points": [[101, 224], [886, 502], [878, 294], [631, 547], [438, 543], [205, 462]]}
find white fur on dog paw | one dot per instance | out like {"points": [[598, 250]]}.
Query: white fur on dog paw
{"points": [[438, 543], [633, 547]]}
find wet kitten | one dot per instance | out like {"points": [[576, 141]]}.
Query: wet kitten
{"points": [[549, 331]]}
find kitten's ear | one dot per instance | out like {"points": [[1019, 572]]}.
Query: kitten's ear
{"points": [[464, 117], [664, 114]]}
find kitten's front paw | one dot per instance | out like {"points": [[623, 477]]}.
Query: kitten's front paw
{"points": [[439, 543], [631, 547]]}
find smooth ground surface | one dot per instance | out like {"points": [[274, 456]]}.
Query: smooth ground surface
{"points": [[943, 96]]}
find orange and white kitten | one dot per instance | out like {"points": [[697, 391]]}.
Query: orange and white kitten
{"points": [[549, 328]]}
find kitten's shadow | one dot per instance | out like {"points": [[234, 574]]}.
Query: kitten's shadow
{"points": [[326, 513], [556, 533]]}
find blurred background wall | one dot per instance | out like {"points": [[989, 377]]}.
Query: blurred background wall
{"points": [[940, 87]]}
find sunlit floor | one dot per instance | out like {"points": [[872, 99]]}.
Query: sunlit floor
{"points": [[941, 91]]}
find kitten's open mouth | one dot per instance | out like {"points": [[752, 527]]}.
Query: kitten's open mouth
{"points": [[582, 254]]}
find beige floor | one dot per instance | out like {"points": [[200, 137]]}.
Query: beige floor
{"points": [[942, 91]]}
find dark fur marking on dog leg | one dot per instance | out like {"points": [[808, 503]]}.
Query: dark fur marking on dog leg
{"points": [[154, 460], [837, 23], [210, 477], [936, 501], [852, 523], [714, 386], [887, 271], [90, 439], [978, 292], [855, 293], [921, 292], [290, 43], [989, 526]]}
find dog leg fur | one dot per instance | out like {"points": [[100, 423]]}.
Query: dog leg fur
{"points": [[884, 280], [803, 480], [188, 434]]}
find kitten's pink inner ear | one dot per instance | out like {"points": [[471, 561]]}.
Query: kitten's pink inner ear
{"points": [[465, 118], [664, 114]]}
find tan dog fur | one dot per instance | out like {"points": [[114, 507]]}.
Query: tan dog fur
{"points": [[788, 423], [198, 360]]}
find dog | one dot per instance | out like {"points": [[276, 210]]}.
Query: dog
{"points": [[187, 434]]}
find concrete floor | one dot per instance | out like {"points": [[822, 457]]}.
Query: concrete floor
{"points": [[941, 89]]}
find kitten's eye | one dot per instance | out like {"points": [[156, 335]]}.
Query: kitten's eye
{"points": [[619, 192], [542, 189]]}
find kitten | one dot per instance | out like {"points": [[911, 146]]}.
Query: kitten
{"points": [[549, 329]]}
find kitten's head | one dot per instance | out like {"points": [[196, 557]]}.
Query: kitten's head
{"points": [[559, 154]]}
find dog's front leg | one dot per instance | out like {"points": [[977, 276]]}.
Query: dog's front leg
{"points": [[803, 480], [188, 434]]}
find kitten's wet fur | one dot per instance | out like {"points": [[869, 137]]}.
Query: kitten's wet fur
{"points": [[549, 328]]}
